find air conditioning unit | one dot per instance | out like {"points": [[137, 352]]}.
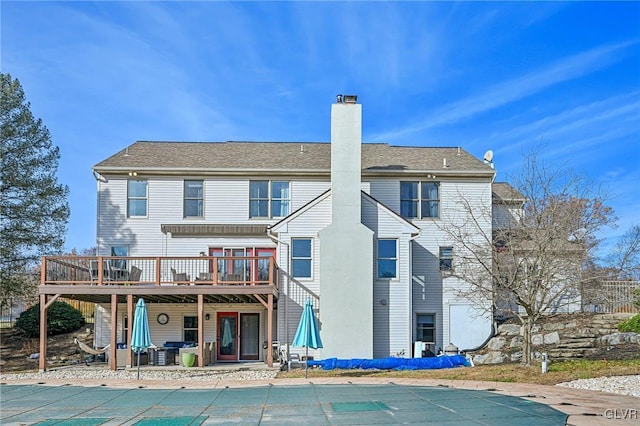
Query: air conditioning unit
{"points": [[424, 349]]}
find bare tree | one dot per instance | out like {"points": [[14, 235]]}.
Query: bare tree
{"points": [[624, 260], [531, 262]]}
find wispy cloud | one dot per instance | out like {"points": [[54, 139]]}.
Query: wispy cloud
{"points": [[515, 89], [574, 125]]}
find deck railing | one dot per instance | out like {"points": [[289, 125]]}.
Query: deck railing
{"points": [[611, 297], [200, 270]]}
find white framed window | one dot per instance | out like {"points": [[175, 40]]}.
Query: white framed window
{"points": [[419, 200], [137, 198], [301, 257], [193, 205], [426, 328], [269, 199], [387, 263], [190, 328], [446, 258]]}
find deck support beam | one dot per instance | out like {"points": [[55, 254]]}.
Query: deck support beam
{"points": [[45, 302], [270, 331], [129, 360], [42, 360], [113, 349], [200, 331]]}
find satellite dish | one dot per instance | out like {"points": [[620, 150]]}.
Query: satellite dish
{"points": [[488, 156]]}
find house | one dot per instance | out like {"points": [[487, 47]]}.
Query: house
{"points": [[229, 239]]}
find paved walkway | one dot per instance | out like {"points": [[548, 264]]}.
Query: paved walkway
{"points": [[321, 401]]}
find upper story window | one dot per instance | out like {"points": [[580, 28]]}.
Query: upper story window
{"points": [[136, 198], [387, 258], [301, 257], [420, 200], [193, 198], [446, 258], [269, 199]]}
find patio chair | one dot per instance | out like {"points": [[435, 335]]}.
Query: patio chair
{"points": [[135, 274], [180, 277], [94, 270], [294, 360]]}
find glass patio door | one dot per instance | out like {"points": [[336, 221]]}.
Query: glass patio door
{"points": [[249, 336], [235, 269], [227, 340], [261, 266]]}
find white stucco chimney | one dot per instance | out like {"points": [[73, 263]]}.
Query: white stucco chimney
{"points": [[346, 169], [346, 245]]}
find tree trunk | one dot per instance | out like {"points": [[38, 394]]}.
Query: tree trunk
{"points": [[526, 340]]}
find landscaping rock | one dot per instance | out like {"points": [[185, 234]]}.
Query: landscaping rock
{"points": [[496, 343], [618, 338], [564, 336], [551, 338], [509, 329]]}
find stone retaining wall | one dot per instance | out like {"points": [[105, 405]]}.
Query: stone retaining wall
{"points": [[567, 336]]}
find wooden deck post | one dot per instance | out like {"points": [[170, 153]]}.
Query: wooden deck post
{"points": [[129, 360], [42, 361], [270, 330], [43, 271], [100, 270], [113, 350], [200, 330]]}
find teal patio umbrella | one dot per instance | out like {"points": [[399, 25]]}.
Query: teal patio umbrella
{"points": [[140, 337], [308, 334]]}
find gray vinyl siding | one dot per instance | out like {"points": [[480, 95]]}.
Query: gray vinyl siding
{"points": [[391, 297], [504, 215], [294, 292], [387, 191], [225, 201], [432, 291], [304, 191]]}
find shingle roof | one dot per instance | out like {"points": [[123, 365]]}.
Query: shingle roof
{"points": [[504, 192], [284, 156]]}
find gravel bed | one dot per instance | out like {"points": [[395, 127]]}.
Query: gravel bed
{"points": [[624, 385], [168, 375]]}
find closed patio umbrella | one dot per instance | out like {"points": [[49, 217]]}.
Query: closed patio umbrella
{"points": [[308, 334], [227, 336], [140, 337]]}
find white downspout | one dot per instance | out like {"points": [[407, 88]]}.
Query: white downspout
{"points": [[286, 317], [411, 313]]}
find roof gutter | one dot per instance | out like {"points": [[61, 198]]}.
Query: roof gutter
{"points": [[289, 172]]}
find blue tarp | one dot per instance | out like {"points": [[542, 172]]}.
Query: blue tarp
{"points": [[431, 363]]}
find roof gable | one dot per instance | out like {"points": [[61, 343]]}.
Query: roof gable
{"points": [[407, 226]]}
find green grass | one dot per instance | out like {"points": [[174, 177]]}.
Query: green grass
{"points": [[558, 372]]}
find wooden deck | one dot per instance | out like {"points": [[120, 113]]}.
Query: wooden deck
{"points": [[199, 280]]}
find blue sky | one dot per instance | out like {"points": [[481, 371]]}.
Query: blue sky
{"points": [[497, 75]]}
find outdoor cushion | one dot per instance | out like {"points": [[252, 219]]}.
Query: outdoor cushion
{"points": [[178, 345]]}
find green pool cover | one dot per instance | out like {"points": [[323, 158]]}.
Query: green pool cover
{"points": [[309, 404]]}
